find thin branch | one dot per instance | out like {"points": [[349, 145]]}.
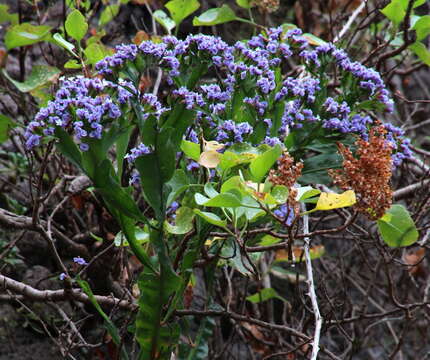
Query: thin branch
{"points": [[311, 284], [34, 294], [351, 19]]}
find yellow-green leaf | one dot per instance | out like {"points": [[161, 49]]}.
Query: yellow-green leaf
{"points": [[329, 201]]}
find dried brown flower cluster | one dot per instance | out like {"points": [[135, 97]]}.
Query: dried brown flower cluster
{"points": [[369, 174], [266, 6], [287, 172]]}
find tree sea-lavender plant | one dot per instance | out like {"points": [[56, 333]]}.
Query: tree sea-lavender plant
{"points": [[207, 142]]}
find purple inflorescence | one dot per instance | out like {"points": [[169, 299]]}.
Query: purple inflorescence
{"points": [[82, 107], [286, 213], [230, 130], [139, 150], [250, 89], [80, 261]]}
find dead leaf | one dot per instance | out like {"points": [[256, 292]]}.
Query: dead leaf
{"points": [[316, 252], [140, 37], [414, 260], [210, 159]]}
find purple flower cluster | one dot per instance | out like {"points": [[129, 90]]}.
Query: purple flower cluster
{"points": [[255, 65], [82, 107], [80, 261], [286, 213], [139, 150], [229, 130]]}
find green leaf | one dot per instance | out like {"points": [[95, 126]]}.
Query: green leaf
{"points": [[421, 51], [152, 185], [180, 9], [40, 75], [422, 27], [280, 193], [95, 52], [394, 11], [177, 184], [141, 235], [26, 34], [192, 150], [183, 221], [72, 64], [164, 20], [5, 16], [211, 218], [68, 147], [154, 338], [222, 200], [306, 192], [60, 41], [397, 227], [5, 125], [264, 162], [215, 16], [269, 240], [110, 326], [264, 295], [108, 14], [76, 25], [314, 40], [246, 4], [200, 348]]}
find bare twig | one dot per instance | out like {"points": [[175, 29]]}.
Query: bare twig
{"points": [[311, 285]]}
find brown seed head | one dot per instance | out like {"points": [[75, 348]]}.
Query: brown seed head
{"points": [[368, 174]]}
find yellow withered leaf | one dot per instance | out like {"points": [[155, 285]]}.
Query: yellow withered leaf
{"points": [[210, 159], [212, 145], [329, 201]]}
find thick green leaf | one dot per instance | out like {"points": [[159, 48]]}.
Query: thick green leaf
{"points": [[192, 150], [110, 326], [76, 25], [215, 16], [264, 295], [40, 75], [26, 34], [151, 179], [422, 27], [264, 162], [180, 9], [5, 124], [211, 218], [421, 51], [164, 20], [108, 14], [183, 221], [397, 227], [200, 348], [6, 16], [68, 147]]}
